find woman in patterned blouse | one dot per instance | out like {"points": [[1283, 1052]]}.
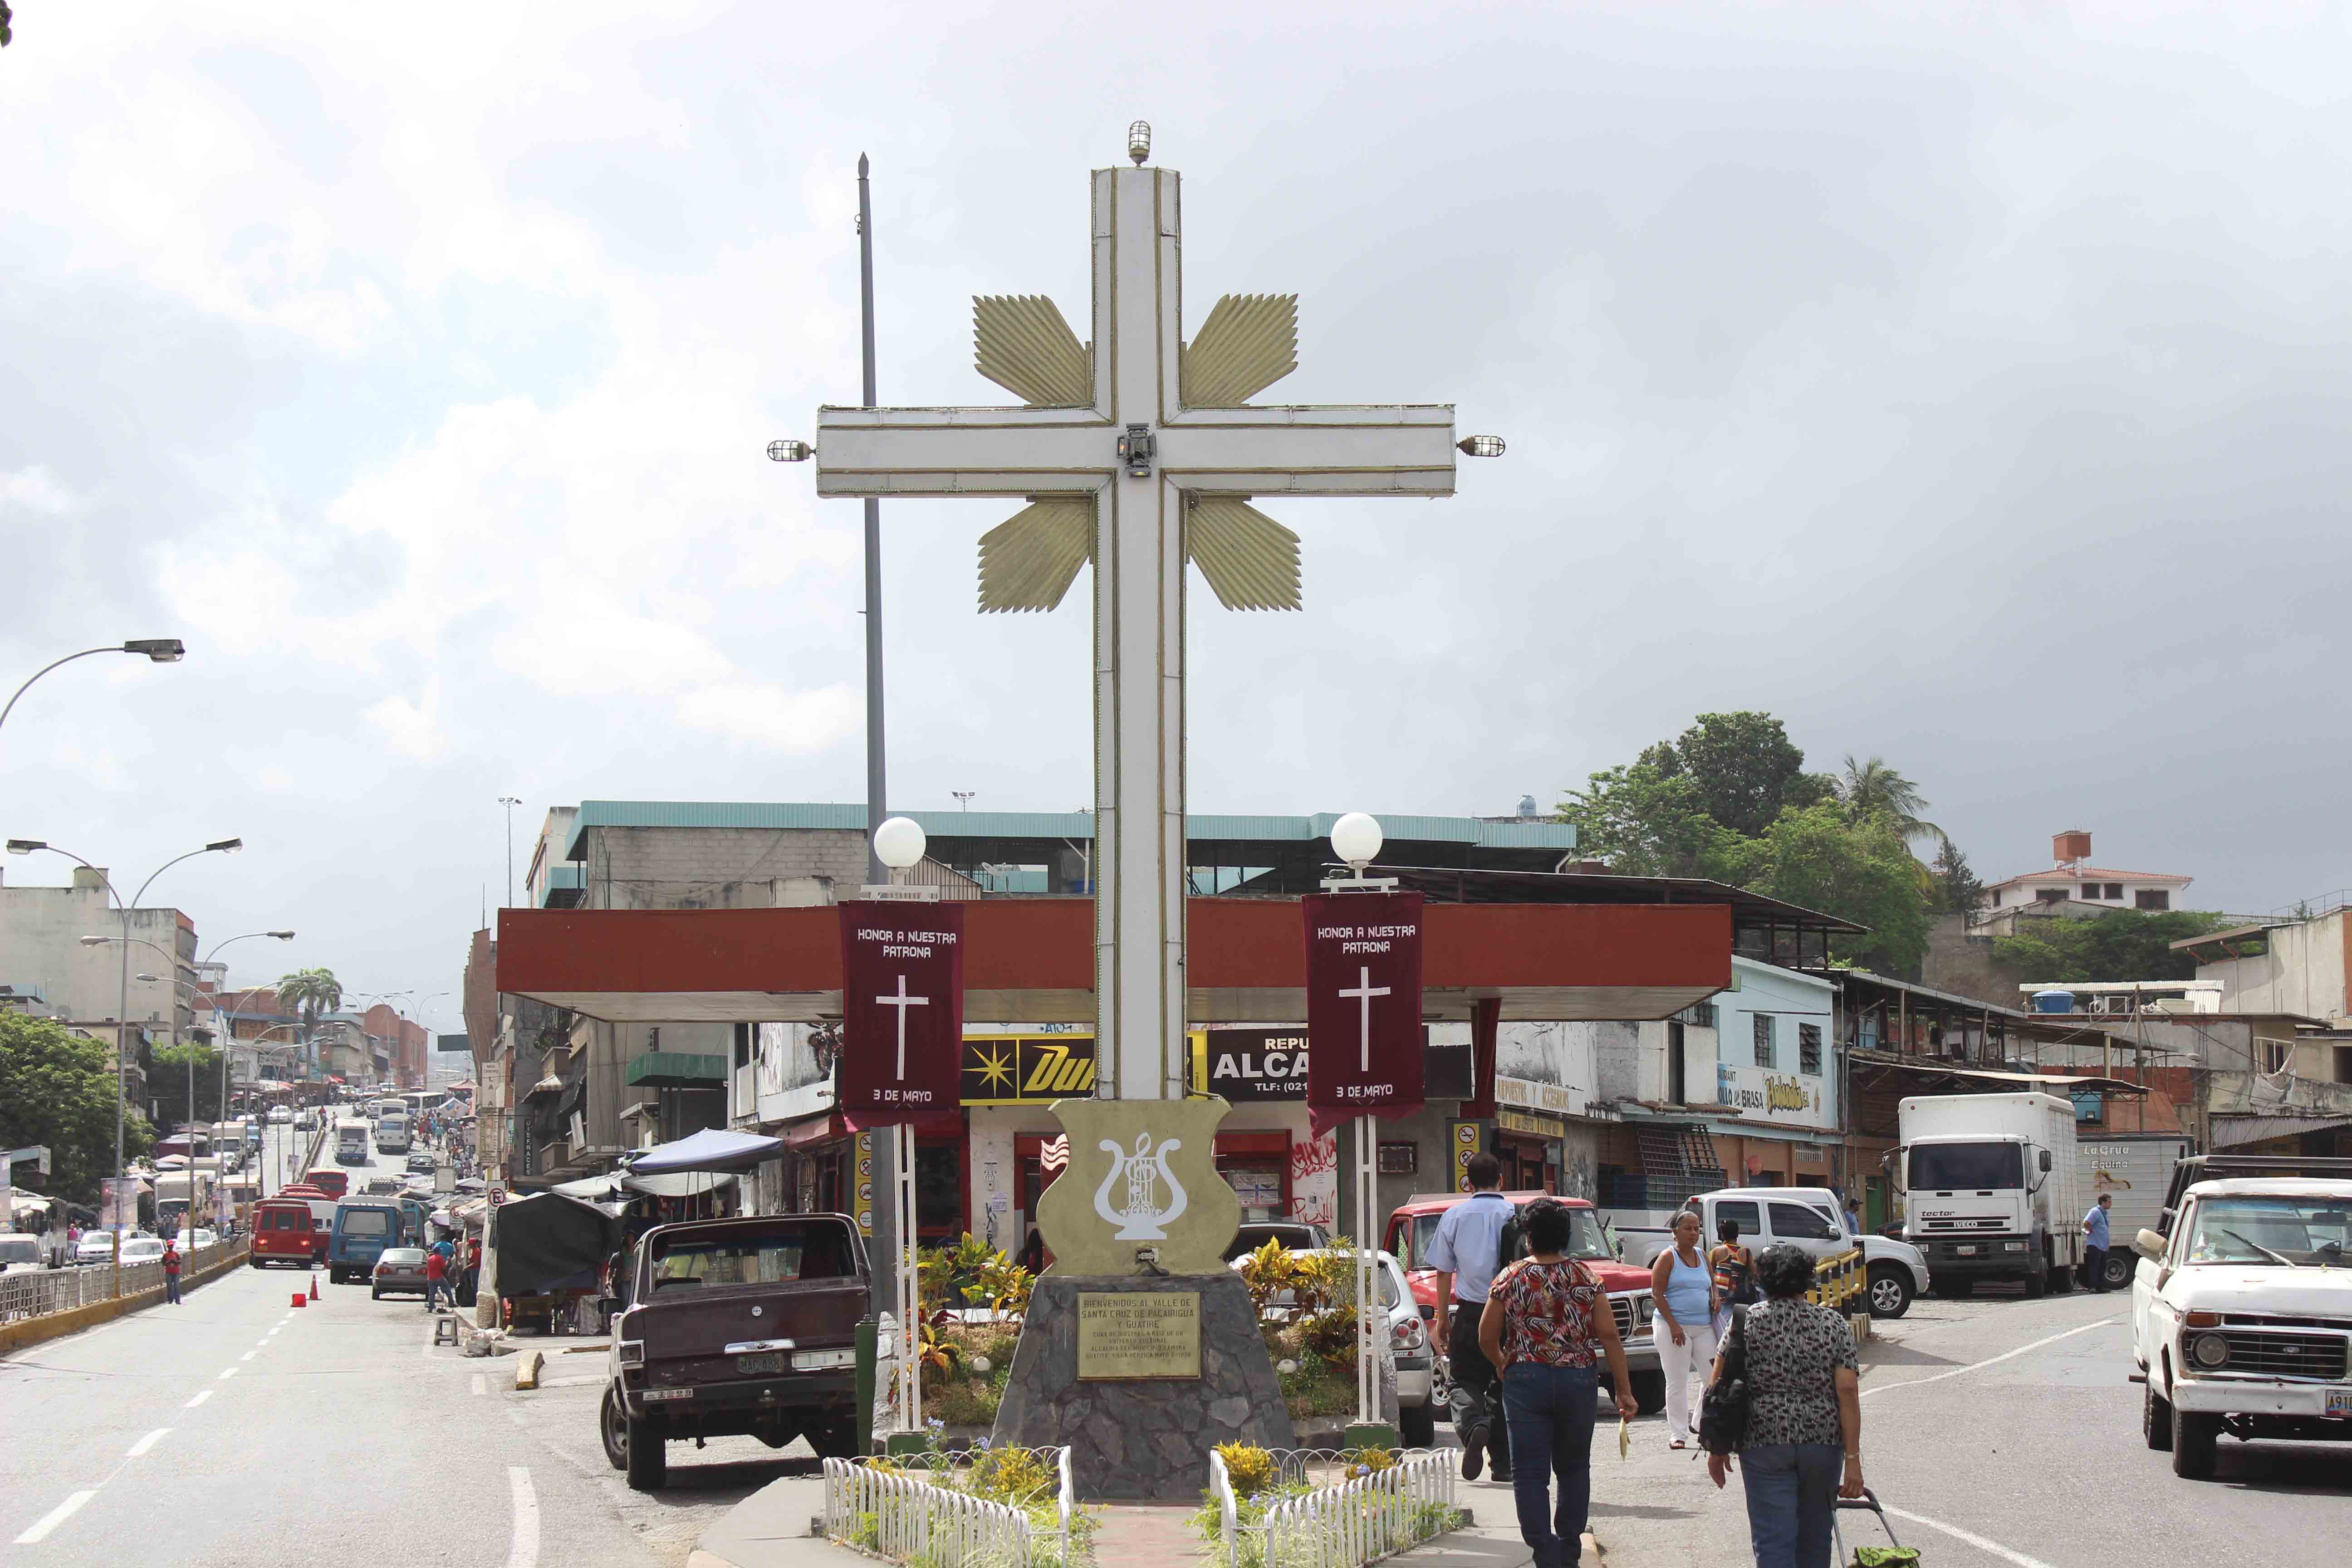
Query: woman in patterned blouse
{"points": [[1548, 1323], [1804, 1415]]}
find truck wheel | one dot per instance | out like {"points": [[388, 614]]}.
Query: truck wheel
{"points": [[1416, 1426], [2194, 1433], [613, 1427], [2119, 1269], [2062, 1279], [2037, 1284], [1649, 1392], [1890, 1291], [649, 1457], [2156, 1417]]}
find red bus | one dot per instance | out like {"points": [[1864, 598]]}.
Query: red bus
{"points": [[331, 1179], [286, 1231]]}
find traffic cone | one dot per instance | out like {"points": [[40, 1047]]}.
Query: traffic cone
{"points": [[300, 1300], [314, 1285]]}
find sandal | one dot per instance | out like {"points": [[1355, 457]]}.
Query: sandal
{"points": [[1678, 1443]]}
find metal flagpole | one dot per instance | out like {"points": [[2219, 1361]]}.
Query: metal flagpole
{"points": [[1367, 1348], [877, 788], [910, 1387]]}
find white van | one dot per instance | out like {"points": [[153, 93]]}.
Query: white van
{"points": [[1808, 1218]]}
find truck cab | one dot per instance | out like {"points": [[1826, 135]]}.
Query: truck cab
{"points": [[736, 1327]]}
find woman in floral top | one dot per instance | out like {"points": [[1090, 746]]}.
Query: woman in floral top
{"points": [[1803, 1446], [1548, 1323]]}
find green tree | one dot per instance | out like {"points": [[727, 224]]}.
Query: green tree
{"points": [[1957, 887], [1815, 856], [167, 1081], [1743, 768], [58, 1088], [2121, 944], [1647, 823], [313, 994]]}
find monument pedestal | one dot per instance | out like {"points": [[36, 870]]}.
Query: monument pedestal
{"points": [[1148, 1438]]}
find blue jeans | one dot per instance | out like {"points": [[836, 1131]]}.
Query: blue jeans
{"points": [[1791, 1492], [1550, 1412]]}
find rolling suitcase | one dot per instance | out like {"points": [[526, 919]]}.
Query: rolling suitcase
{"points": [[1894, 1554]]}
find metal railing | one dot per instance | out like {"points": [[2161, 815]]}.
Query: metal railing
{"points": [[1369, 1505], [930, 1508], [1839, 1282], [34, 1294]]}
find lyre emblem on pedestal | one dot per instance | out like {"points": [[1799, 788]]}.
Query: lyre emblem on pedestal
{"points": [[1141, 1218]]}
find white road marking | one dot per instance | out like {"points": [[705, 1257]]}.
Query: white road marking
{"points": [[227, 1374], [248, 1355], [54, 1518], [148, 1442], [199, 1399], [524, 1552], [481, 1384], [1989, 1361], [1993, 1548]]}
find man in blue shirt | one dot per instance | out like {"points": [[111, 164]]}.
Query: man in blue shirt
{"points": [[2094, 1243], [1467, 1252]]}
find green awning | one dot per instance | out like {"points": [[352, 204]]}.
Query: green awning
{"points": [[677, 1069]]}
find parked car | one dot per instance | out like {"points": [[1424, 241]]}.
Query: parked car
{"points": [[2241, 1316], [98, 1246], [1296, 1235], [1414, 1222], [421, 1165], [398, 1269], [20, 1254], [280, 1115], [1408, 1347], [142, 1249], [739, 1326], [1811, 1219]]}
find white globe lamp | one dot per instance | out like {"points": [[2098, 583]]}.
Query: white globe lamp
{"points": [[898, 844], [1357, 840]]}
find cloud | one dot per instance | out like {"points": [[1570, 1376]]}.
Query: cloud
{"points": [[36, 490]]}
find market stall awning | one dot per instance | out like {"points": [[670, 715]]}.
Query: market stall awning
{"points": [[1033, 960], [712, 1148], [2237, 1131]]}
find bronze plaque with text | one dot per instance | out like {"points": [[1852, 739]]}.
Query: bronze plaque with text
{"points": [[1138, 1335]]}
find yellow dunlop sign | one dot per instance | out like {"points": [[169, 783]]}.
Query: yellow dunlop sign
{"points": [[1027, 1069]]}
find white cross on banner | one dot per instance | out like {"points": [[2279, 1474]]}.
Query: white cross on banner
{"points": [[1363, 1006], [902, 1012]]}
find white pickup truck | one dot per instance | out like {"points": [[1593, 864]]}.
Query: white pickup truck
{"points": [[2242, 1313]]}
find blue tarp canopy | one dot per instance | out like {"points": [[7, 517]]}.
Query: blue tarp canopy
{"points": [[712, 1148]]}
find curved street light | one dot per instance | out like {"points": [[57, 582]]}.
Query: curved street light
{"points": [[162, 650], [122, 1024]]}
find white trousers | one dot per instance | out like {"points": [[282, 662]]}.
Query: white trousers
{"points": [[1695, 1357]]}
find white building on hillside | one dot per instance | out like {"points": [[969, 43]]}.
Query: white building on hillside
{"points": [[2072, 888]]}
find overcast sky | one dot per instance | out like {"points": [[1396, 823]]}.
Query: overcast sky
{"points": [[1970, 393]]}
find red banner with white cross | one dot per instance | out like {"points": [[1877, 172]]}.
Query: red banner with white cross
{"points": [[902, 1012], [1363, 1006]]}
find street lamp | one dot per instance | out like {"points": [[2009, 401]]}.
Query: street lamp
{"points": [[228, 1043], [1357, 840], [121, 1023], [899, 844], [162, 650]]}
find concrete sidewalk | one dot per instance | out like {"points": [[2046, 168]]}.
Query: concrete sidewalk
{"points": [[771, 1529]]}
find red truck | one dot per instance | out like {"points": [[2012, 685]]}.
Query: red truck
{"points": [[1414, 1222]]}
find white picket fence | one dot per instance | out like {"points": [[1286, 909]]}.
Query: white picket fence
{"points": [[904, 1515], [1358, 1516], [37, 1293]]}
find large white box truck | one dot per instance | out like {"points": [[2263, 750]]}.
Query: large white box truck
{"points": [[2135, 1170], [1991, 1189]]}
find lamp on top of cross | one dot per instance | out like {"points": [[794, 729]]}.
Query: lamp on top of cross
{"points": [[1138, 451]]}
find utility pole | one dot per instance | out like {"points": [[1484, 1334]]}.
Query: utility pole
{"points": [[876, 787], [510, 802]]}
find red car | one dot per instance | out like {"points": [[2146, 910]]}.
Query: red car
{"points": [[1414, 1222]]}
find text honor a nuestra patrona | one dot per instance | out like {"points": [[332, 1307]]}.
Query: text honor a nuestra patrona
{"points": [[1356, 941]]}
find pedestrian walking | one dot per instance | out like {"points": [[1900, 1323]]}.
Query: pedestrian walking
{"points": [[1548, 1325], [1682, 1287], [436, 1278], [170, 1275], [2096, 1242], [1802, 1447], [1734, 1267], [1467, 1250]]}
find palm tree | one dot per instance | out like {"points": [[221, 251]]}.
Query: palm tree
{"points": [[312, 993], [1871, 788]]}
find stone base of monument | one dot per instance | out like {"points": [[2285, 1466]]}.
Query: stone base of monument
{"points": [[1143, 1436]]}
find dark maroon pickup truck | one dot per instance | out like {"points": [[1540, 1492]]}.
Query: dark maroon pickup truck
{"points": [[737, 1327]]}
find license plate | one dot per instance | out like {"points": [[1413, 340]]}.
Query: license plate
{"points": [[755, 1363], [1965, 1250], [2339, 1402]]}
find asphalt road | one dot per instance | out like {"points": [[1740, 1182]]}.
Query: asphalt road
{"points": [[237, 1429], [2006, 1433]]}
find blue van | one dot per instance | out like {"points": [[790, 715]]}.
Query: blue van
{"points": [[363, 1228]]}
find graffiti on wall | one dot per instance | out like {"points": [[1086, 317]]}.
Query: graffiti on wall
{"points": [[1315, 1181]]}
